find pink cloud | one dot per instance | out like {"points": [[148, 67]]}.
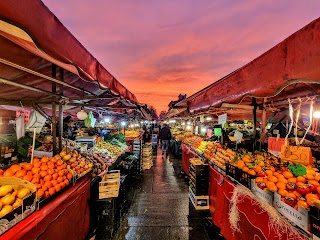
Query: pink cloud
{"points": [[159, 49]]}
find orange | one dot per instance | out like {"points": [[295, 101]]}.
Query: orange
{"points": [[35, 180], [36, 164], [258, 168], [8, 173], [50, 171], [14, 168], [47, 178], [310, 201], [53, 159], [20, 173], [28, 166], [258, 179], [43, 173], [318, 189], [245, 169], [48, 184], [40, 193], [55, 176], [281, 185], [313, 182], [37, 175], [296, 193], [46, 194], [303, 204], [36, 160], [311, 195], [69, 176], [60, 179], [252, 172], [44, 188], [60, 173], [291, 195], [52, 191], [64, 177], [54, 182], [310, 176], [50, 166], [62, 184], [44, 167], [44, 159], [41, 182], [261, 164], [246, 158], [63, 166], [287, 174], [299, 184], [59, 162], [317, 177], [57, 187], [27, 178], [29, 173], [35, 170], [272, 179], [293, 180], [38, 185], [269, 172], [283, 192], [66, 182], [301, 179], [283, 180]]}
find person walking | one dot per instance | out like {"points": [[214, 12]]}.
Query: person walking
{"points": [[164, 137]]}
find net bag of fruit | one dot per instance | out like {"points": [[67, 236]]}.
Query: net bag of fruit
{"points": [[90, 121]]}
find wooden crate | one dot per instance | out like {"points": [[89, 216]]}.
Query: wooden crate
{"points": [[199, 202], [110, 184]]}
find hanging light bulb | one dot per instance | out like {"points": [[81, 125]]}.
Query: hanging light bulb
{"points": [[316, 114], [82, 115]]}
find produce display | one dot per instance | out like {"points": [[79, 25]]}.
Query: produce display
{"points": [[78, 164], [12, 197], [131, 133], [192, 139], [112, 150], [49, 175], [221, 156], [202, 147]]}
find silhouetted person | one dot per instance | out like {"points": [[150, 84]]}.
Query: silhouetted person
{"points": [[164, 137]]}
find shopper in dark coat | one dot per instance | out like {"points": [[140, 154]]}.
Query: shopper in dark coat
{"points": [[164, 137]]}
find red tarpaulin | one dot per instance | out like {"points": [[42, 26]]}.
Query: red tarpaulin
{"points": [[293, 62], [30, 25]]}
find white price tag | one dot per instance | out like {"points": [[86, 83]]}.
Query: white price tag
{"points": [[222, 119], [7, 155], [238, 136]]}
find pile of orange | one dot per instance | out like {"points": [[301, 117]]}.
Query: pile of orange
{"points": [[49, 175], [286, 184]]}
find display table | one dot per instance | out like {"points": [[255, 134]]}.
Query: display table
{"points": [[186, 155], [253, 221], [65, 217]]}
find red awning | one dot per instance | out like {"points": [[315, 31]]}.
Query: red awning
{"points": [[32, 26], [289, 69]]}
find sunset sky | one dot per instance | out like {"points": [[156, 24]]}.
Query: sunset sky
{"points": [[159, 49]]}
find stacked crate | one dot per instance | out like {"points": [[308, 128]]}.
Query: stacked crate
{"points": [[147, 160], [199, 184]]}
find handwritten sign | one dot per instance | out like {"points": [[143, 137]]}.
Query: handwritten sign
{"points": [[297, 154], [274, 144], [196, 131], [222, 119]]}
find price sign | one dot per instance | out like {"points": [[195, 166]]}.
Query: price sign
{"points": [[274, 144], [196, 131], [238, 136], [217, 132], [209, 132], [297, 154], [222, 119]]}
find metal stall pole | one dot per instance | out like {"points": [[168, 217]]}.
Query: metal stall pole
{"points": [[54, 120], [61, 111], [254, 118]]}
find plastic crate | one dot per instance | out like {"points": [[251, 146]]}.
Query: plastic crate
{"points": [[233, 171]]}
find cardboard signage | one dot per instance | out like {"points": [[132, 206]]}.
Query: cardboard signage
{"points": [[299, 217], [297, 154], [222, 119], [238, 136], [274, 144], [217, 132], [265, 196], [209, 132]]}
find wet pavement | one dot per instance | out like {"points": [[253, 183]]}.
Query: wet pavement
{"points": [[160, 208]]}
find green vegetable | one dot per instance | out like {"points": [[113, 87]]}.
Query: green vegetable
{"points": [[297, 169]]}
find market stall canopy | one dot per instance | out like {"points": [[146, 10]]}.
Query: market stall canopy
{"points": [[175, 112], [288, 70], [32, 38]]}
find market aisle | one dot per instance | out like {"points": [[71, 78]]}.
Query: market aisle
{"points": [[160, 208]]}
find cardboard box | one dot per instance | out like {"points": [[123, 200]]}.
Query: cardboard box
{"points": [[28, 204], [299, 217], [266, 196]]}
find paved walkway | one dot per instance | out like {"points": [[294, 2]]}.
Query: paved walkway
{"points": [[160, 208]]}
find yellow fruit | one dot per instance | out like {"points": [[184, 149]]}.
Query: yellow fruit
{"points": [[303, 204], [269, 172], [283, 192], [313, 182], [258, 169], [62, 154], [8, 200], [259, 179], [301, 179], [310, 176], [23, 193], [293, 180], [245, 169], [5, 189], [5, 210], [252, 172], [17, 203], [283, 180]]}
